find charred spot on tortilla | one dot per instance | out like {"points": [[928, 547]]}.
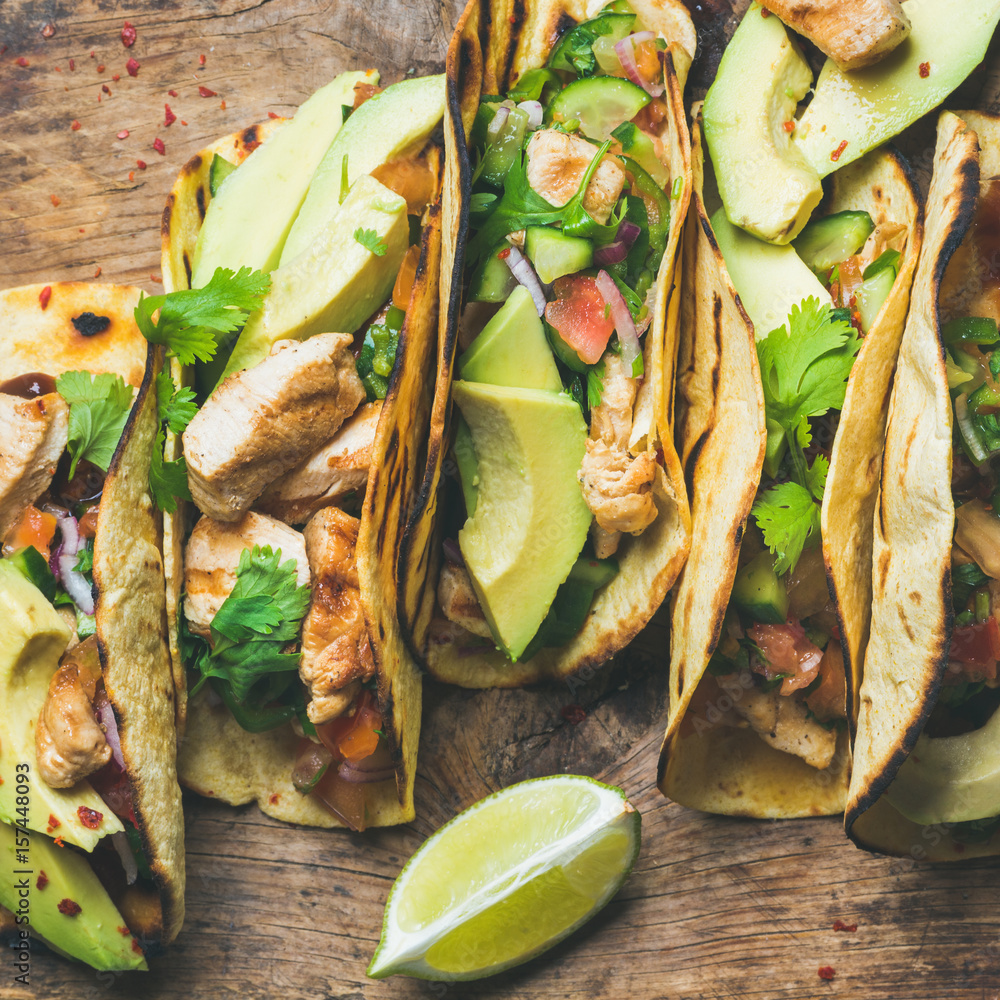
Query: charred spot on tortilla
{"points": [[250, 138], [187, 268], [168, 211], [89, 324], [193, 165], [199, 198]]}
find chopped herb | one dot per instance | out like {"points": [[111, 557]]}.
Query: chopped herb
{"points": [[167, 480], [98, 409], [595, 385], [788, 516], [176, 407], [370, 240]]}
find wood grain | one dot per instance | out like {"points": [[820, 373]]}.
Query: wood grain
{"points": [[715, 908]]}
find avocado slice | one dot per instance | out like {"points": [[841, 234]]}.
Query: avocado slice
{"points": [[852, 112], [388, 126], [32, 639], [338, 282], [951, 779], [97, 934], [530, 520], [770, 279], [248, 221], [767, 185], [512, 349]]}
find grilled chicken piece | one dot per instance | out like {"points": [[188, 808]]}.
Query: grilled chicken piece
{"points": [[328, 477], [69, 742], [34, 438], [335, 648], [459, 602], [557, 162], [853, 33], [264, 421], [213, 554], [617, 487], [783, 723]]}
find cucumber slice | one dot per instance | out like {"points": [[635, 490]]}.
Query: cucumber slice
{"points": [[639, 146], [492, 281], [220, 169], [758, 593], [970, 330], [504, 148], [554, 254], [599, 103], [564, 352], [833, 239], [871, 295], [574, 52]]}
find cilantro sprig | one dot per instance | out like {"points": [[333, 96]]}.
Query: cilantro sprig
{"points": [[804, 368], [194, 322], [261, 615], [371, 241], [98, 409], [176, 409]]}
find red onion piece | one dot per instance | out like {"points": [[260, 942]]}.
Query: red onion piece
{"points": [[499, 120], [452, 552], [54, 558], [628, 232], [627, 335], [650, 303], [610, 253], [106, 716], [120, 840], [357, 775], [534, 109], [625, 49], [522, 270]]}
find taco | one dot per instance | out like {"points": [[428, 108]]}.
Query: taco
{"points": [[319, 238], [927, 755], [779, 338], [566, 185], [89, 801]]}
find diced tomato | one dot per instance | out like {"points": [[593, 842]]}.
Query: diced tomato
{"points": [[353, 737], [412, 179], [977, 646], [788, 651], [829, 700], [647, 61], [362, 92], [87, 524], [580, 316], [35, 528], [403, 288], [655, 112]]}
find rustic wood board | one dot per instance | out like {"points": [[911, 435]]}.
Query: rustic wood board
{"points": [[715, 907]]}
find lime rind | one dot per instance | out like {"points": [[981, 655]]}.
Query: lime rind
{"points": [[554, 873]]}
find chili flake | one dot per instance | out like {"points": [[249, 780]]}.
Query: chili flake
{"points": [[925, 70], [764, 12], [54, 824], [42, 881], [272, 114], [54, 198], [72, 64], [69, 908], [158, 146], [100, 67], [116, 77], [123, 134], [43, 298], [93, 54], [835, 155], [75, 125], [205, 92], [275, 797], [21, 61], [131, 175], [106, 89], [128, 35], [132, 66], [172, 93], [97, 273], [573, 714], [156, 279], [504, 254], [136, 947], [49, 30], [124, 931], [839, 925], [141, 164], [59, 842], [201, 60], [90, 818], [826, 972], [223, 105], [788, 126], [170, 117]]}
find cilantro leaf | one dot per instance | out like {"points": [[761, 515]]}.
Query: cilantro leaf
{"points": [[194, 321], [595, 385], [167, 480], [85, 558], [788, 517], [370, 240], [98, 408], [816, 476], [805, 364], [175, 406]]}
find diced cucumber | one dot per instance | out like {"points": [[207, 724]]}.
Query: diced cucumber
{"points": [[492, 281], [970, 330], [220, 169], [986, 399], [639, 146], [833, 239], [574, 51], [564, 352], [468, 465], [887, 258], [553, 254], [536, 85], [871, 295], [504, 147], [758, 592], [777, 445], [599, 103], [34, 567]]}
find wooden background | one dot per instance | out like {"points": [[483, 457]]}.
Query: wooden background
{"points": [[715, 907]]}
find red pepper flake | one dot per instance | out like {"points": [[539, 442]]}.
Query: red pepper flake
{"points": [[573, 714], [72, 64], [124, 931], [58, 69], [169, 116], [59, 842], [136, 947], [68, 907], [172, 93], [201, 60], [183, 122], [205, 92], [42, 881], [925, 70], [512, 19], [106, 89], [100, 67], [158, 146], [131, 175], [788, 126], [141, 164], [90, 818], [128, 35], [21, 61], [156, 279], [133, 67], [49, 30], [826, 972], [97, 273], [839, 925], [274, 799], [43, 298], [504, 254], [271, 114], [81, 229], [93, 54], [54, 198], [835, 155], [764, 12], [99, 98], [223, 105], [75, 125]]}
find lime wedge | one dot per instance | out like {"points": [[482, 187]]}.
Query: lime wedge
{"points": [[508, 878]]}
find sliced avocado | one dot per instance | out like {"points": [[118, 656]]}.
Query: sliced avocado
{"points": [[512, 349], [531, 520], [759, 593], [32, 639], [832, 239], [97, 934], [468, 465], [555, 254], [337, 283], [220, 169], [766, 183], [492, 281], [388, 126], [770, 279], [951, 779], [852, 112], [249, 220]]}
